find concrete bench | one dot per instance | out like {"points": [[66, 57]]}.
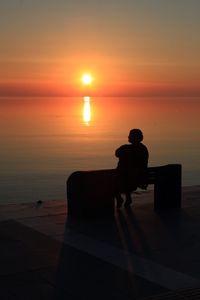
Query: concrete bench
{"points": [[91, 193]]}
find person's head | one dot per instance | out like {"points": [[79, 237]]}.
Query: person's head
{"points": [[135, 136]]}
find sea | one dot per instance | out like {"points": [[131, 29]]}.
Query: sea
{"points": [[45, 139]]}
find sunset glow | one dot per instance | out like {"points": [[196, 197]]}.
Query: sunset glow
{"points": [[117, 42]]}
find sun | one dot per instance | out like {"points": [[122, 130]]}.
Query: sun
{"points": [[87, 79]]}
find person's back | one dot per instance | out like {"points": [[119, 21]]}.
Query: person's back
{"points": [[132, 156], [132, 164]]}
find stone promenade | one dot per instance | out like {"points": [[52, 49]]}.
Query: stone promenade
{"points": [[137, 254]]}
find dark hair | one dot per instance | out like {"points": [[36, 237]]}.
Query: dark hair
{"points": [[135, 135]]}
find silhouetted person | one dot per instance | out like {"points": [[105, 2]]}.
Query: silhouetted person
{"points": [[132, 166]]}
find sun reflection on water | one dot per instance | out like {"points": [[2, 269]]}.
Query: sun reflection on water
{"points": [[86, 111]]}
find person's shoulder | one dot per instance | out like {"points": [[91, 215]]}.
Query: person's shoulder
{"points": [[143, 146], [123, 147]]}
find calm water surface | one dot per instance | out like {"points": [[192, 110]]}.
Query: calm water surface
{"points": [[43, 140]]}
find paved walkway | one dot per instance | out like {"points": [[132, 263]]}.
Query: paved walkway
{"points": [[137, 254]]}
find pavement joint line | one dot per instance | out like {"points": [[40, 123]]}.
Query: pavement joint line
{"points": [[135, 264], [143, 267]]}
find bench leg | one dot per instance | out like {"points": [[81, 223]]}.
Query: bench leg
{"points": [[167, 188]]}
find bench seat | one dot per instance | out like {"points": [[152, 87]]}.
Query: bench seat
{"points": [[91, 193]]}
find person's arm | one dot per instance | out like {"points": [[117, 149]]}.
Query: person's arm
{"points": [[146, 157], [118, 151]]}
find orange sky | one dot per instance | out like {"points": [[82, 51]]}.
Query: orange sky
{"points": [[131, 47]]}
